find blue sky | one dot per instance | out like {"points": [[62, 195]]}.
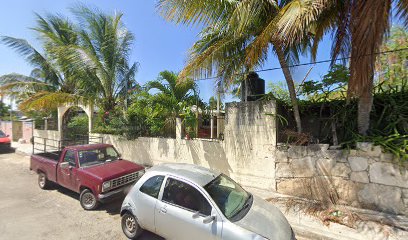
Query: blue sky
{"points": [[159, 45]]}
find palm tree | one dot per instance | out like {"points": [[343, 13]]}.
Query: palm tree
{"points": [[102, 56], [171, 94], [236, 39], [49, 83], [359, 29], [88, 62]]}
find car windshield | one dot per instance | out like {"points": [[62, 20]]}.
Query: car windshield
{"points": [[2, 134], [230, 197], [97, 156]]}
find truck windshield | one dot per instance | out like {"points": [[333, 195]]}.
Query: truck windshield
{"points": [[97, 156], [230, 197]]}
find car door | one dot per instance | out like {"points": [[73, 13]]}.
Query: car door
{"points": [[146, 198], [67, 177], [181, 211]]}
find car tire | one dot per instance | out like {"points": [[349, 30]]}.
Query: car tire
{"points": [[130, 227], [88, 200], [43, 182]]}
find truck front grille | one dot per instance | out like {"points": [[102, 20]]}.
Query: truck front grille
{"points": [[124, 180]]}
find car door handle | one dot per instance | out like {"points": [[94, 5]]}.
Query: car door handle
{"points": [[163, 210]]}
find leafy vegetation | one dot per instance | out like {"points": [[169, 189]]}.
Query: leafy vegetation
{"points": [[236, 39], [86, 61], [359, 28]]}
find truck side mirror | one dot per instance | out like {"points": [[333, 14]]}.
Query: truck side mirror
{"points": [[64, 165]]}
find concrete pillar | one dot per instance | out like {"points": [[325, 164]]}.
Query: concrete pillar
{"points": [[179, 128], [46, 124], [212, 126], [218, 125], [61, 112]]}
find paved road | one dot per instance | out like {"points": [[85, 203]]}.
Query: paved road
{"points": [[27, 212]]}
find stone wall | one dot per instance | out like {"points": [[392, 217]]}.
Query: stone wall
{"points": [[246, 154], [365, 178]]}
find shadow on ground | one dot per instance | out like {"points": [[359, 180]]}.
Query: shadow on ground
{"points": [[7, 150], [112, 208]]}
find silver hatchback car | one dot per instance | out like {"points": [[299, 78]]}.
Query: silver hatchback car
{"points": [[184, 202]]}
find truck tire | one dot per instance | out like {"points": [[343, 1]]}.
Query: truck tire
{"points": [[130, 227], [88, 200], [43, 182]]}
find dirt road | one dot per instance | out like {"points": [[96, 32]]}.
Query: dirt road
{"points": [[27, 212]]}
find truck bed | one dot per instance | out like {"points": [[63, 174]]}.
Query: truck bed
{"points": [[46, 163], [50, 155]]}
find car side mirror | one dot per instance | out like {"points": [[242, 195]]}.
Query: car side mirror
{"points": [[64, 165], [7, 135], [209, 219]]}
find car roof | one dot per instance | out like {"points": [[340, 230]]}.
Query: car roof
{"points": [[193, 173], [88, 147]]}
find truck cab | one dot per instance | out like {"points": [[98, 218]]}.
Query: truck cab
{"points": [[96, 171]]}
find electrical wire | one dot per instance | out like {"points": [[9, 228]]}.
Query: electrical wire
{"points": [[309, 63]]}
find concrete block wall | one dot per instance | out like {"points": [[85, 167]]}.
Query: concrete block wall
{"points": [[365, 178], [247, 153]]}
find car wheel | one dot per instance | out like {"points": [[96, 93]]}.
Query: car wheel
{"points": [[130, 227], [43, 182], [88, 200]]}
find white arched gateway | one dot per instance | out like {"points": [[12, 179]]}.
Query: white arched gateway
{"points": [[88, 109]]}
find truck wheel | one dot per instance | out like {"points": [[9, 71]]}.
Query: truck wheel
{"points": [[43, 181], [130, 227], [88, 200]]}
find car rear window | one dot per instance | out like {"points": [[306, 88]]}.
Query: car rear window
{"points": [[152, 186], [2, 134]]}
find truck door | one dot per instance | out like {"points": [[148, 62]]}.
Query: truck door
{"points": [[66, 177]]}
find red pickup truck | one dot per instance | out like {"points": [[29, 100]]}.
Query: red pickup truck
{"points": [[96, 171]]}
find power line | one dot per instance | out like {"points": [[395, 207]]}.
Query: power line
{"points": [[309, 63]]}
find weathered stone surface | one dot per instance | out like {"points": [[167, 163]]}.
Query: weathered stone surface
{"points": [[317, 150], [358, 163], [353, 153], [388, 174], [300, 187], [382, 198], [324, 166], [347, 191], [405, 193], [281, 156], [337, 155], [299, 167], [297, 151], [364, 146], [341, 170], [359, 177], [303, 167], [283, 170], [386, 157]]}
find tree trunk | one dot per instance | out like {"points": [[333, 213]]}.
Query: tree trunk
{"points": [[365, 103], [291, 86], [369, 22]]}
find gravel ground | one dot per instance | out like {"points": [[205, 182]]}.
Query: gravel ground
{"points": [[27, 212]]}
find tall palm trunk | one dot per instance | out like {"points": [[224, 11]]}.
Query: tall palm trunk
{"points": [[369, 22], [291, 85]]}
